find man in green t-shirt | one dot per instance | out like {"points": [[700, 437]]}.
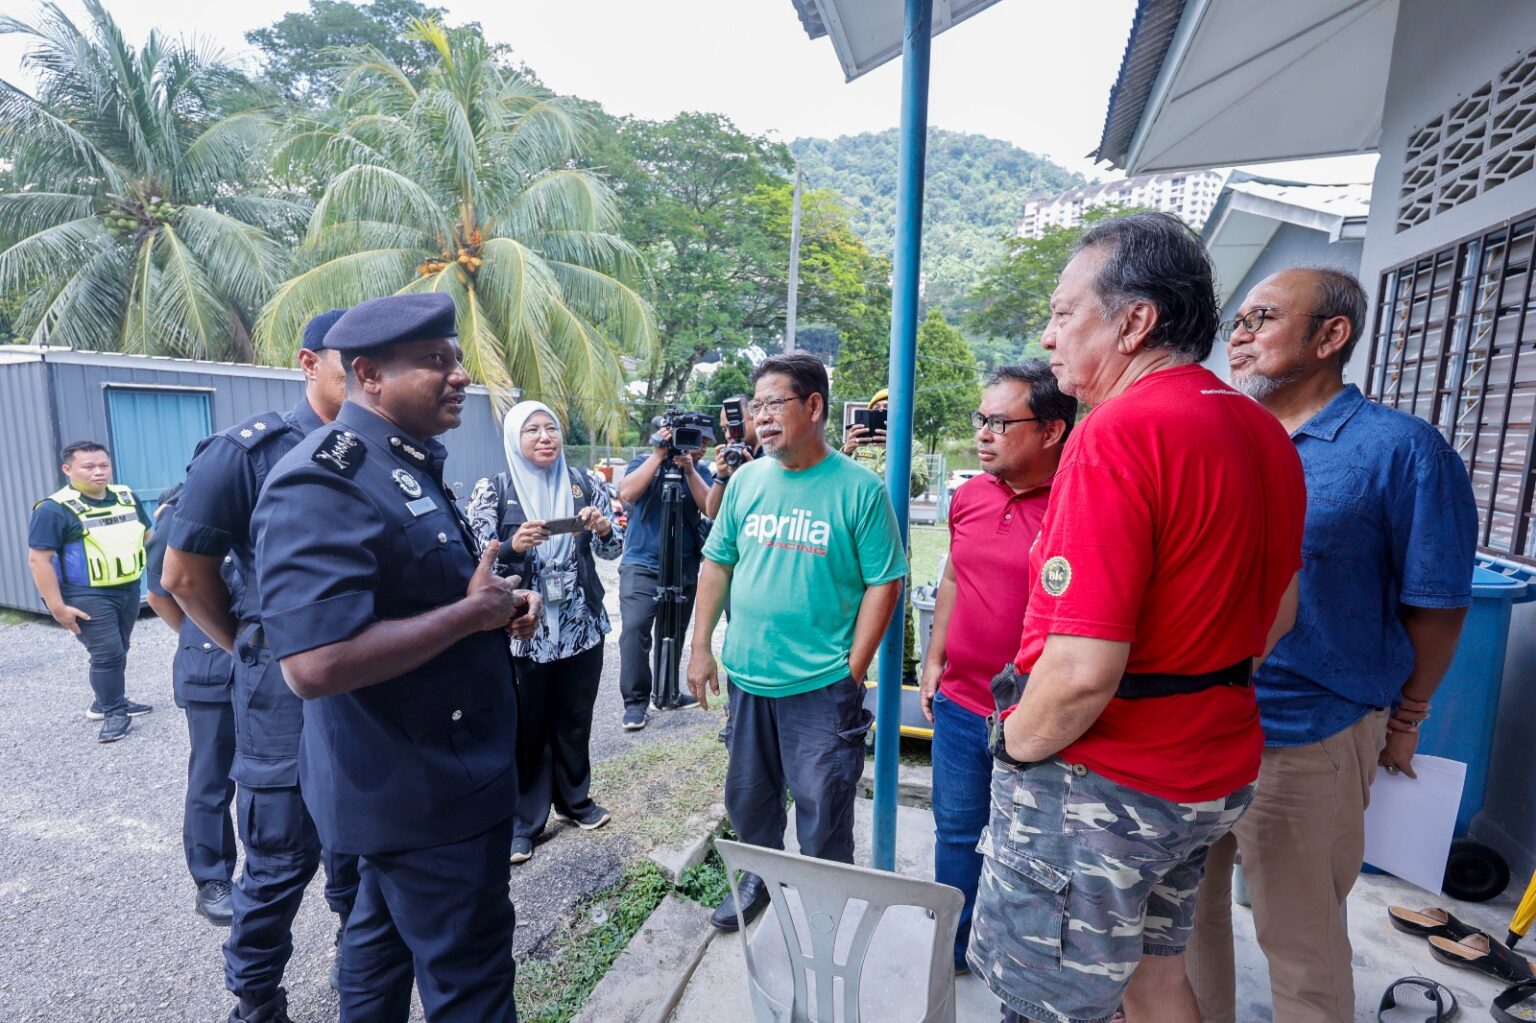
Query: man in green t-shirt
{"points": [[806, 547]]}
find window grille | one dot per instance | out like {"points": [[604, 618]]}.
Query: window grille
{"points": [[1455, 343]]}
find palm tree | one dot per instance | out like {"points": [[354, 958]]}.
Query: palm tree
{"points": [[467, 183], [131, 223]]}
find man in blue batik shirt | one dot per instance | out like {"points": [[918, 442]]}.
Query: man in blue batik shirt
{"points": [[1385, 584]]}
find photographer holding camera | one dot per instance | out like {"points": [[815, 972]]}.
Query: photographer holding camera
{"points": [[740, 447], [640, 572]]}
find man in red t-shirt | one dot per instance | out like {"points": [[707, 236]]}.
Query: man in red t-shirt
{"points": [[1021, 427], [1166, 564]]}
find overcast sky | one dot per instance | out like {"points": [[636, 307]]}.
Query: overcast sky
{"points": [[1035, 73]]}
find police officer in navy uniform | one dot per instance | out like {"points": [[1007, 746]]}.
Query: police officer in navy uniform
{"points": [[200, 678], [373, 602], [282, 850]]}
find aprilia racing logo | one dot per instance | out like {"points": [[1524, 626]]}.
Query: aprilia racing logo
{"points": [[796, 531]]}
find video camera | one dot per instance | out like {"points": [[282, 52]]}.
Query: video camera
{"points": [[735, 453], [690, 431]]}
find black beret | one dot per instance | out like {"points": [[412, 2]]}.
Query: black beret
{"points": [[315, 329], [393, 320]]}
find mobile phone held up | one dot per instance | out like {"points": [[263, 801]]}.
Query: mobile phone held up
{"points": [[570, 525], [871, 419]]}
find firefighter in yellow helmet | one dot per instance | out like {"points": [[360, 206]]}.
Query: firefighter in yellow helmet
{"points": [[86, 553]]}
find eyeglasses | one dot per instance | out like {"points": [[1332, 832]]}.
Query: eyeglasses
{"points": [[1254, 321], [997, 424], [771, 405], [552, 430]]}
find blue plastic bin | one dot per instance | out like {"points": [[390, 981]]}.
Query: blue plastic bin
{"points": [[1460, 726]]}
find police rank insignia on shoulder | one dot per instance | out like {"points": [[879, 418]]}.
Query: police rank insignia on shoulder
{"points": [[407, 483], [341, 452]]}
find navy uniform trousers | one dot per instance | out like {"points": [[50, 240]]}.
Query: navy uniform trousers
{"points": [[415, 909], [207, 834], [282, 848]]}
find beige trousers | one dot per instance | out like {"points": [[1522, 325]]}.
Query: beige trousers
{"points": [[1301, 841]]}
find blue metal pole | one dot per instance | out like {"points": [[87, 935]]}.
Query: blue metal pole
{"points": [[916, 35]]}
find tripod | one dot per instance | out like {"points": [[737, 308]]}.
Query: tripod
{"points": [[671, 601]]}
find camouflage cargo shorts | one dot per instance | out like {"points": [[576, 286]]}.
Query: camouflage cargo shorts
{"points": [[1082, 877]]}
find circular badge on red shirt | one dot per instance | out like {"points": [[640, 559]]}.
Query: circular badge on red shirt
{"points": [[1056, 575]]}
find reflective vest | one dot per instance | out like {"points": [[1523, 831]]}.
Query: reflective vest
{"points": [[113, 536]]}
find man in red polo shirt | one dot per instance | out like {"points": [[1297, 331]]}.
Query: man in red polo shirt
{"points": [[1021, 427], [1166, 565]]}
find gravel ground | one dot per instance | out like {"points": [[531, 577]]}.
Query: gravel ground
{"points": [[96, 920]]}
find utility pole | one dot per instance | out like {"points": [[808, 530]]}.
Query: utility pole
{"points": [[794, 266]]}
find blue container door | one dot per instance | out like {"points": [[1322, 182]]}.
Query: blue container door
{"points": [[153, 435]]}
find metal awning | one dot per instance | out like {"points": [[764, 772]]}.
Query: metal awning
{"points": [[1251, 209], [1212, 83], [867, 33]]}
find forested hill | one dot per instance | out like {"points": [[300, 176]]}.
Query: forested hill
{"points": [[975, 194]]}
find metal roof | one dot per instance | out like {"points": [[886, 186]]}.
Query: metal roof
{"points": [[1151, 34], [867, 33], [1251, 209], [1210, 83]]}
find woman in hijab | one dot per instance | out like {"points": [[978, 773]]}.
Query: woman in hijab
{"points": [[559, 668]]}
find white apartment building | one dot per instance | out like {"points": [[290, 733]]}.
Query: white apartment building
{"points": [[1191, 196]]}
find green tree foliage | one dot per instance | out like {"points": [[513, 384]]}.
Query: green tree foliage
{"points": [[302, 53], [709, 206], [1011, 302], [469, 184], [975, 192], [134, 220], [733, 377], [948, 384]]}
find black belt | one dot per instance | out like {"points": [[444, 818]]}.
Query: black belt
{"points": [[1008, 686]]}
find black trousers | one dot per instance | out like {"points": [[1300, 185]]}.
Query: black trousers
{"points": [[441, 916], [811, 745], [554, 728], [106, 638], [207, 832], [637, 613]]}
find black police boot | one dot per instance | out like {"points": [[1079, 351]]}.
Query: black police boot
{"points": [[213, 903], [754, 896], [274, 1010]]}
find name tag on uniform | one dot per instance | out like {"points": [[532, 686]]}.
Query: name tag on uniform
{"points": [[420, 506]]}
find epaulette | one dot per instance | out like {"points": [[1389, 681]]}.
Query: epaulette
{"points": [[342, 452], [257, 430]]}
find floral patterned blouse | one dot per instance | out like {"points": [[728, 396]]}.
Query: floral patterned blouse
{"points": [[570, 627]]}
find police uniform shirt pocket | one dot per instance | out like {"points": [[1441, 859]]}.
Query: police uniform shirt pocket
{"points": [[201, 663], [431, 567], [463, 726]]}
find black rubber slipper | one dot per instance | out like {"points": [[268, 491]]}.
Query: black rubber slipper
{"points": [[1436, 996], [1516, 1004]]}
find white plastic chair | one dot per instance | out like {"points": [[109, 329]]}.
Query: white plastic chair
{"points": [[846, 944]]}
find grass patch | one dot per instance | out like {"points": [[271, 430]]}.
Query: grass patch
{"points": [[929, 544], [553, 990], [9, 617], [654, 790]]}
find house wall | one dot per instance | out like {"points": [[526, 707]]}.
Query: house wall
{"points": [[1291, 245], [1444, 51], [51, 398]]}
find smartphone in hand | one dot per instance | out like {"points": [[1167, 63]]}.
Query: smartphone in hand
{"points": [[570, 525]]}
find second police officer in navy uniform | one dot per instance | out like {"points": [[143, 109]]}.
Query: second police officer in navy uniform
{"points": [[373, 602], [282, 850]]}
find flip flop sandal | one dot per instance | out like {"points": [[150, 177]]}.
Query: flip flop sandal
{"points": [[1517, 1004], [1428, 923], [1481, 953], [1436, 995]]}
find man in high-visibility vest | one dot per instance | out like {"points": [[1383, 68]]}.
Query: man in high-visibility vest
{"points": [[86, 553]]}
